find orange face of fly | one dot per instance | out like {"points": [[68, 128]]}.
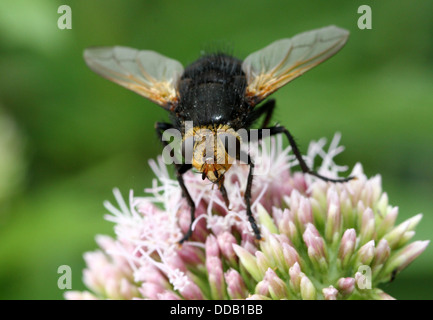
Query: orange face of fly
{"points": [[214, 172], [210, 155]]}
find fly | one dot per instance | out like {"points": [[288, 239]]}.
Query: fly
{"points": [[220, 95]]}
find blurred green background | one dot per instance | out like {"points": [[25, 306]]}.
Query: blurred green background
{"points": [[69, 136]]}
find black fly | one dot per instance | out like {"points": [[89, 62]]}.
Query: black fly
{"points": [[219, 94]]}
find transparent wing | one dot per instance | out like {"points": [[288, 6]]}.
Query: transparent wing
{"points": [[145, 72], [272, 67]]}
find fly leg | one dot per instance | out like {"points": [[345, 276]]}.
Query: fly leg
{"points": [[243, 155], [297, 153], [304, 167], [180, 170], [279, 129], [248, 199], [267, 108], [224, 192]]}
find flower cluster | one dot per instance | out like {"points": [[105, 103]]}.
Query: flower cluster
{"points": [[320, 240]]}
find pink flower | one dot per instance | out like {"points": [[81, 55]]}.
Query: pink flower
{"points": [[320, 240]]}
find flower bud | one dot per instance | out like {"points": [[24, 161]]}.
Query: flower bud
{"points": [[347, 247], [330, 293], [365, 254], [295, 277], [346, 286], [249, 262], [277, 287], [308, 291], [367, 226], [235, 285], [225, 242]]}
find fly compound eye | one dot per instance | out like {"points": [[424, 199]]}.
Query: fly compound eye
{"points": [[187, 148], [231, 144]]}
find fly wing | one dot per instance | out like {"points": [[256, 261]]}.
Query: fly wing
{"points": [[272, 67], [145, 72]]}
